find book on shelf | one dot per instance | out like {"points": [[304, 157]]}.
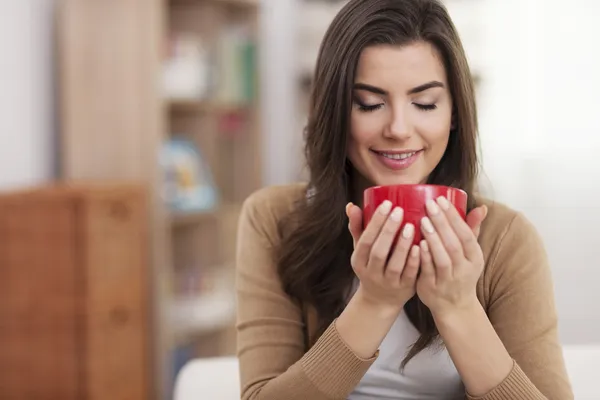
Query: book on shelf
{"points": [[237, 66]]}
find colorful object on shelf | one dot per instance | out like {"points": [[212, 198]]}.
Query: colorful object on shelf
{"points": [[188, 185], [233, 124], [187, 74], [189, 282]]}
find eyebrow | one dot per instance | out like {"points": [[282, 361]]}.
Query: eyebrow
{"points": [[418, 89]]}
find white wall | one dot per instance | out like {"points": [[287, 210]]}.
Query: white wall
{"points": [[26, 115], [541, 136]]}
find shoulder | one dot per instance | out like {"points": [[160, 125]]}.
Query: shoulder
{"points": [[512, 247], [264, 208], [503, 225], [275, 199]]}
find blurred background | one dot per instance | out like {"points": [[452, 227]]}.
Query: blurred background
{"points": [[164, 115]]}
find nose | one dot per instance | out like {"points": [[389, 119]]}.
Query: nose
{"points": [[398, 128]]}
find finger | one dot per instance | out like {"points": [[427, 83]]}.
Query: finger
{"points": [[445, 232], [441, 259], [411, 269], [362, 249], [427, 268], [397, 261], [383, 244], [464, 232], [355, 224]]}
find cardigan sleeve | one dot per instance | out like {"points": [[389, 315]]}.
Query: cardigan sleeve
{"points": [[522, 310], [273, 361]]}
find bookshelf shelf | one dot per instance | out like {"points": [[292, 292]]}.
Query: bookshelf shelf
{"points": [[239, 3], [187, 106], [186, 219], [206, 107]]}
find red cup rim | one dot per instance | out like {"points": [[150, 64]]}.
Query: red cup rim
{"points": [[416, 185]]}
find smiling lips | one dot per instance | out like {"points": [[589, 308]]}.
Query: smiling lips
{"points": [[397, 160]]}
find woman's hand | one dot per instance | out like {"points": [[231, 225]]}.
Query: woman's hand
{"points": [[387, 277], [451, 259]]}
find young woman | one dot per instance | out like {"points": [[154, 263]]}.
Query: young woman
{"points": [[325, 309]]}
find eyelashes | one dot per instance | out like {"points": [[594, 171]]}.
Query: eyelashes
{"points": [[425, 107], [370, 108], [367, 108]]}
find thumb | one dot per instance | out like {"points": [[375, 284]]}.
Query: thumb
{"points": [[354, 214], [475, 219]]}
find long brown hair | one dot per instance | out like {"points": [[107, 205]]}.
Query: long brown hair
{"points": [[314, 254]]}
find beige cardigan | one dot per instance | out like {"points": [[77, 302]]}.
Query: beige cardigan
{"points": [[278, 362]]}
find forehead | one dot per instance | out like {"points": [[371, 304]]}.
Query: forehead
{"points": [[406, 66]]}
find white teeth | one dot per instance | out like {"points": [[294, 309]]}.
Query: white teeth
{"points": [[399, 156]]}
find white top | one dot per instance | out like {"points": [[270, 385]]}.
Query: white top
{"points": [[431, 374]]}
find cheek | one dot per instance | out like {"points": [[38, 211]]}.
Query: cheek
{"points": [[436, 130], [437, 137], [364, 130]]}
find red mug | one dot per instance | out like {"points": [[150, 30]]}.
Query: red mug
{"points": [[412, 199]]}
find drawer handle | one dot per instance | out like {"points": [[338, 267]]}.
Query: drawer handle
{"points": [[119, 316], [119, 211]]}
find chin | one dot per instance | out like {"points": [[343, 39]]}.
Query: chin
{"points": [[397, 180]]}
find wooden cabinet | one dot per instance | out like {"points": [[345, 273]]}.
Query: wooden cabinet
{"points": [[74, 287]]}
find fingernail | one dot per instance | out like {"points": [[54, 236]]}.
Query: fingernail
{"points": [[348, 207], [432, 207], [444, 203], [414, 252], [385, 207], [485, 211], [408, 231], [427, 225], [396, 214], [424, 246]]}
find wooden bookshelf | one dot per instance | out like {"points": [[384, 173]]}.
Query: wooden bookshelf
{"points": [[235, 3], [186, 219], [190, 106], [114, 120], [183, 107]]}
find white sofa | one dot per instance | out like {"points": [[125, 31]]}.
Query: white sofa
{"points": [[217, 378]]}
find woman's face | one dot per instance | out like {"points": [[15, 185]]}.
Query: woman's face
{"points": [[401, 114]]}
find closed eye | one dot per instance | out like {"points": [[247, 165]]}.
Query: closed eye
{"points": [[366, 107], [425, 107]]}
